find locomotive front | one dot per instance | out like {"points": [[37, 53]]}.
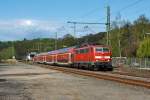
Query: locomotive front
{"points": [[102, 57]]}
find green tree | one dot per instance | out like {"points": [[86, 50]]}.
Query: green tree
{"points": [[67, 41], [144, 48], [127, 40], [7, 53], [140, 26]]}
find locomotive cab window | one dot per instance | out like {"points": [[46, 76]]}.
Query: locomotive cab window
{"points": [[102, 49], [99, 49], [105, 50]]}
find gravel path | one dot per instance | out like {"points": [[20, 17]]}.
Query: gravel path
{"points": [[28, 82]]}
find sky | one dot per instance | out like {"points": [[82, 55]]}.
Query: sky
{"points": [[30, 19]]}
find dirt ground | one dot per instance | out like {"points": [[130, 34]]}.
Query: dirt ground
{"points": [[134, 71], [29, 82]]}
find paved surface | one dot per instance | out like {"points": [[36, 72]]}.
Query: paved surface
{"points": [[27, 82]]}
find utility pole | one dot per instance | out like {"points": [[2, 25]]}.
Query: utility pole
{"points": [[74, 27], [75, 23], [87, 23], [118, 18], [12, 50], [39, 45], [56, 41], [108, 25], [74, 30], [144, 33]]}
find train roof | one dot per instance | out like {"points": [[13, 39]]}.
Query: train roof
{"points": [[63, 50], [91, 45], [43, 53], [69, 49]]}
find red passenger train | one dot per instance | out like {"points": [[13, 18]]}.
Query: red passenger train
{"points": [[93, 57]]}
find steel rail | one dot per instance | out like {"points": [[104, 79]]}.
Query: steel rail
{"points": [[111, 77]]}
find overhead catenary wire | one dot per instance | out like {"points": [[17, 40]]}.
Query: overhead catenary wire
{"points": [[127, 7], [89, 13], [130, 5], [121, 10]]}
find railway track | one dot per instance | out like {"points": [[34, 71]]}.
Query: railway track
{"points": [[125, 79], [130, 74]]}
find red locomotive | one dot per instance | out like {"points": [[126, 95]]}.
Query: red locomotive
{"points": [[93, 57]]}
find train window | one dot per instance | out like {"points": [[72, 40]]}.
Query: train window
{"points": [[82, 51], [91, 49], [77, 51], [86, 50]]}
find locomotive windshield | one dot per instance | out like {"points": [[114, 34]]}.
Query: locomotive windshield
{"points": [[102, 50]]}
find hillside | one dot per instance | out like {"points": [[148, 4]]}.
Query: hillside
{"points": [[128, 39]]}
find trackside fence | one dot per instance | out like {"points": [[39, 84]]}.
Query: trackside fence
{"points": [[140, 63]]}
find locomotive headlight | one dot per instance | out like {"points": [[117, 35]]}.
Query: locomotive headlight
{"points": [[107, 57], [98, 57]]}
